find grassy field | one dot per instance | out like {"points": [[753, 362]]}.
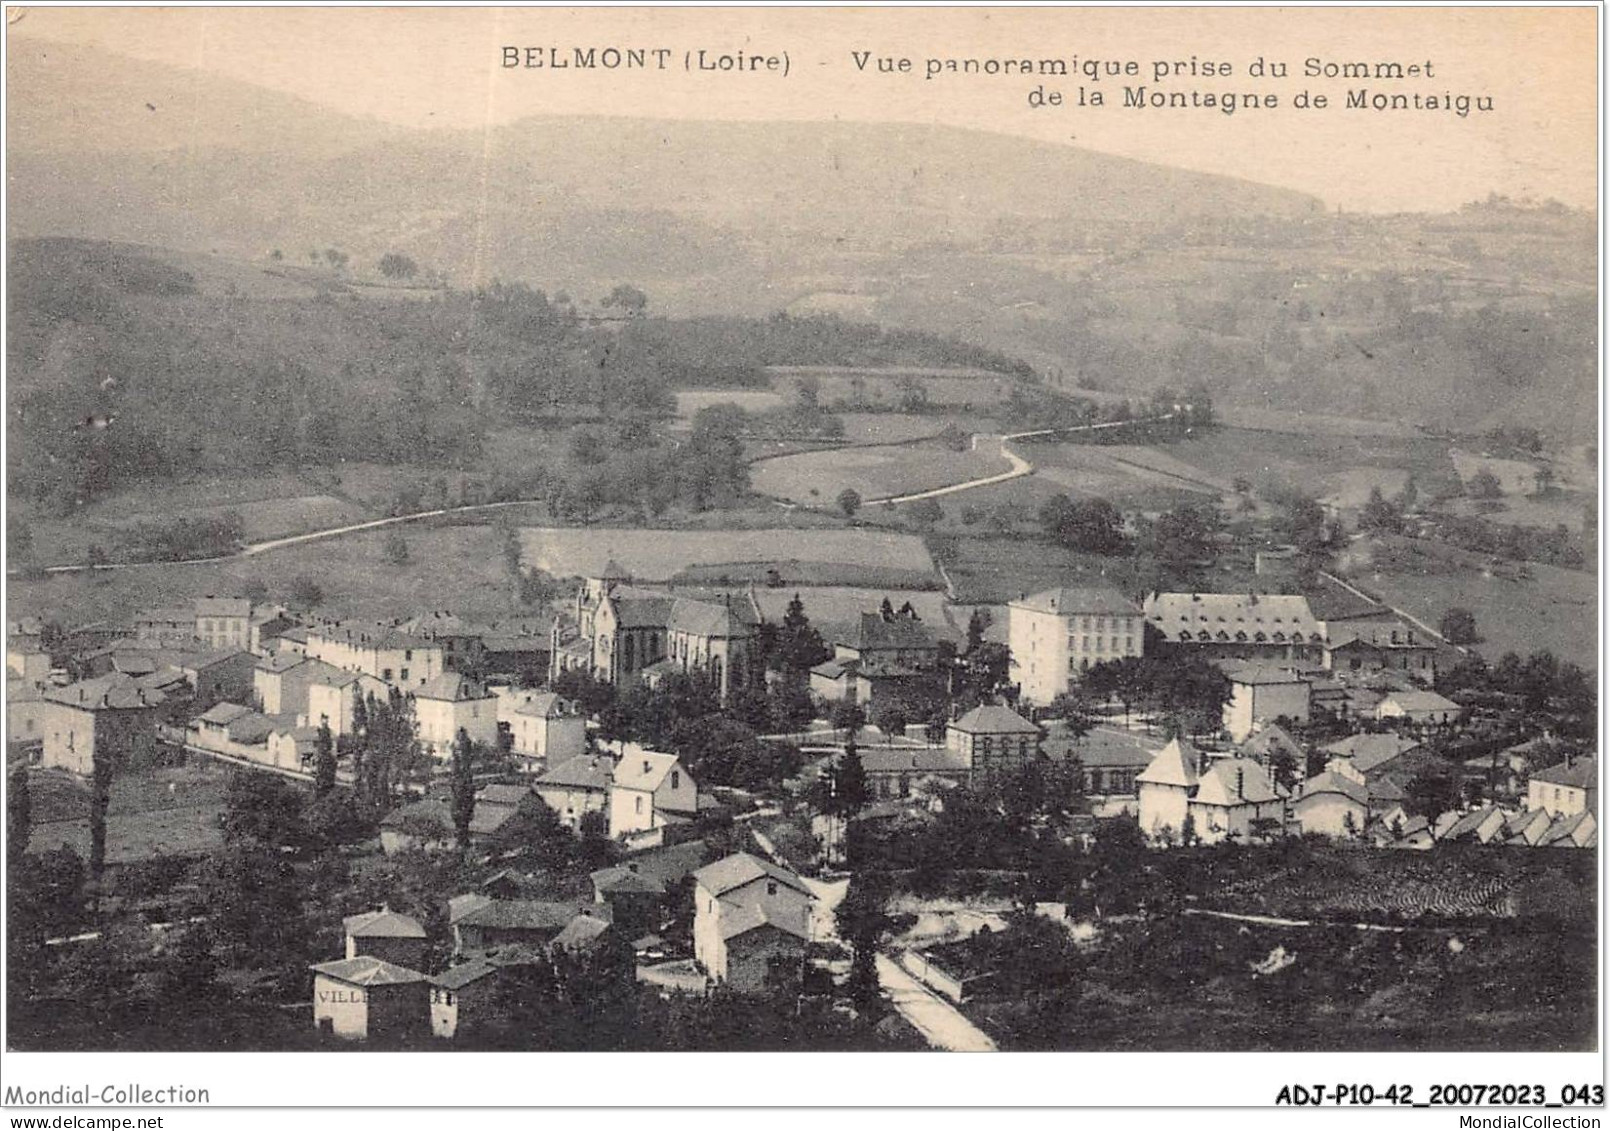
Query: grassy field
{"points": [[1309, 423], [1126, 474], [172, 811], [659, 554], [459, 566], [1322, 464], [817, 478], [1556, 610]]}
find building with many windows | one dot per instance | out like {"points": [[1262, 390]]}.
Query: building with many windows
{"points": [[1057, 635]]}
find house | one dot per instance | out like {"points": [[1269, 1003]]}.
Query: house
{"points": [[1331, 804], [1530, 827], [423, 825], [520, 652], [1056, 635], [385, 934], [224, 622], [381, 651], [367, 997], [1564, 790], [649, 790], [1273, 747], [116, 714], [268, 625], [1374, 646], [211, 727], [636, 890], [512, 922], [1479, 826], [170, 625], [582, 934], [1370, 754], [1278, 628], [280, 682], [292, 747], [883, 653], [628, 630], [898, 772], [1165, 789], [448, 703], [750, 918], [575, 788], [993, 739], [496, 804], [542, 726], [462, 643], [1262, 693], [333, 694], [1419, 708], [1580, 830], [1235, 799], [463, 996]]}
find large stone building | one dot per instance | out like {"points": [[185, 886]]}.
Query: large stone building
{"points": [[1057, 635], [1239, 626], [750, 918], [113, 715], [619, 632]]}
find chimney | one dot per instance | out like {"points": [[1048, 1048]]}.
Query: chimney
{"points": [[645, 767], [1240, 783]]}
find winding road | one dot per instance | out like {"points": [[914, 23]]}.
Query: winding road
{"points": [[1019, 466]]}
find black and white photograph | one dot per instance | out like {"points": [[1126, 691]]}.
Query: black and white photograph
{"points": [[857, 530]]}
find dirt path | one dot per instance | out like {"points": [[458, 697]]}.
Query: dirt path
{"points": [[252, 549], [1019, 466], [939, 1022]]}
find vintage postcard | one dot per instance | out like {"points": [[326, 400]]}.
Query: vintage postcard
{"points": [[845, 530]]}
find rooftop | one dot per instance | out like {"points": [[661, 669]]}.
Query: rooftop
{"points": [[1079, 599], [1579, 773], [735, 871], [367, 970], [382, 924], [994, 719]]}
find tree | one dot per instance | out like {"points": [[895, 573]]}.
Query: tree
{"points": [[394, 265], [848, 717], [336, 258], [263, 810], [100, 799], [631, 301], [850, 791], [1458, 626], [849, 501], [1379, 516], [977, 625], [463, 787], [862, 919], [324, 761], [304, 593], [1093, 525], [396, 548], [19, 813], [926, 513], [1431, 792], [1484, 485]]}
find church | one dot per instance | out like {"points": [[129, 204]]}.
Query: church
{"points": [[618, 632]]}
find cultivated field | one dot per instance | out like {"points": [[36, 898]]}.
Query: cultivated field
{"points": [[1127, 474], [817, 478], [1320, 464], [690, 401], [656, 555], [172, 811]]}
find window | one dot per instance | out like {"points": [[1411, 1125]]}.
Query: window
{"points": [[1084, 643], [1084, 623], [385, 674], [405, 675], [408, 655], [676, 779], [771, 887], [640, 803], [1129, 643]]}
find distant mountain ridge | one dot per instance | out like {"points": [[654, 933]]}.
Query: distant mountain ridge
{"points": [[113, 148]]}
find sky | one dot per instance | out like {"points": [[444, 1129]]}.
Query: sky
{"points": [[435, 68]]}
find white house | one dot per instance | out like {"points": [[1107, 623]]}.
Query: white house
{"points": [[364, 997], [463, 996], [1333, 804], [1165, 789], [1234, 799], [575, 788], [450, 702], [748, 915], [1423, 708], [649, 790], [542, 726], [1262, 693], [332, 697], [1567, 789]]}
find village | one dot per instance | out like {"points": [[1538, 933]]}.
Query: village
{"points": [[649, 795]]}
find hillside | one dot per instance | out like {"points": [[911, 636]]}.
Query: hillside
{"points": [[1103, 272]]}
